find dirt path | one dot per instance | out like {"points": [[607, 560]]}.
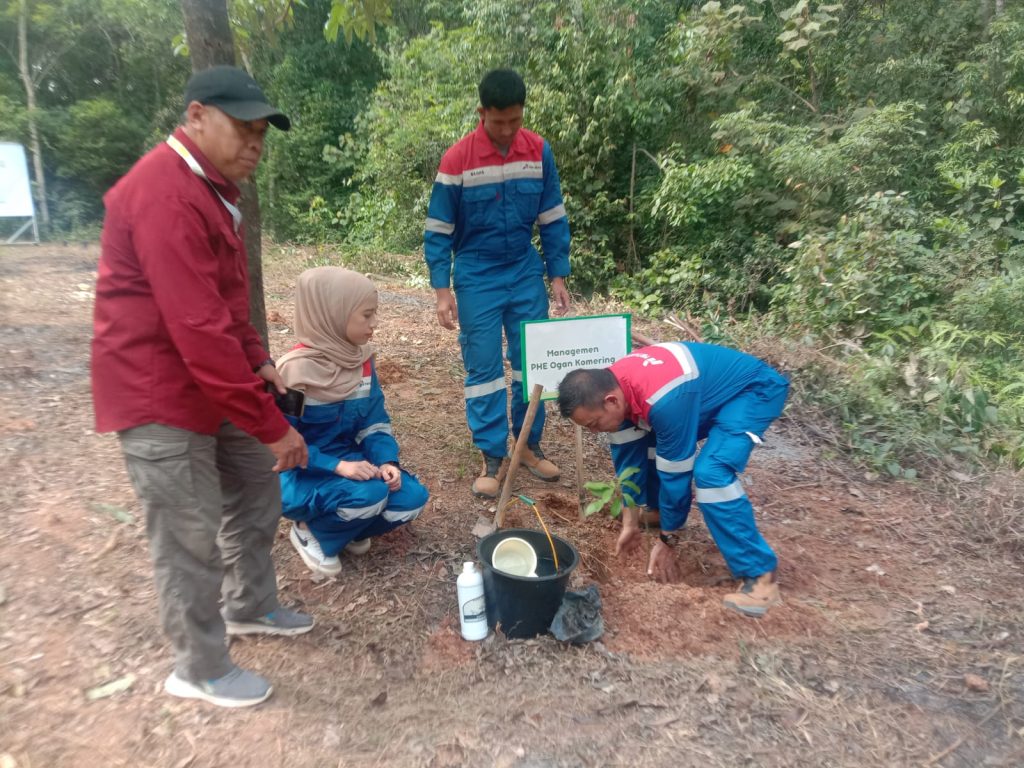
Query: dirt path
{"points": [[898, 644]]}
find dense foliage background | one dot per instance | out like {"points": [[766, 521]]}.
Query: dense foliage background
{"points": [[841, 178]]}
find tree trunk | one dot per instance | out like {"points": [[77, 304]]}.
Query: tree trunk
{"points": [[999, 8], [250, 206], [208, 32], [210, 43], [34, 144]]}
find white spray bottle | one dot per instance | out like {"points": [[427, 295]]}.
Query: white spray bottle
{"points": [[472, 610]]}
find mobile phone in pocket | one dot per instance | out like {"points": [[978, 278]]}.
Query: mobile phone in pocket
{"points": [[291, 403]]}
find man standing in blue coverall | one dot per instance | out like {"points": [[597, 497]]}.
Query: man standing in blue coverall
{"points": [[491, 187], [667, 397]]}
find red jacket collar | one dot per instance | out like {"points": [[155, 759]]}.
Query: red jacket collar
{"points": [[518, 144]]}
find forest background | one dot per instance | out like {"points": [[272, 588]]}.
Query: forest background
{"points": [[837, 183]]}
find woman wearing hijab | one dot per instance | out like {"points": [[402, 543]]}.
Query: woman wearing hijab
{"points": [[353, 488]]}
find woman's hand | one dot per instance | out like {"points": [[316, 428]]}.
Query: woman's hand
{"points": [[357, 470], [391, 475]]}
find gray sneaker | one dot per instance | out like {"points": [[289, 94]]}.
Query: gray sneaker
{"points": [[238, 688], [281, 621]]}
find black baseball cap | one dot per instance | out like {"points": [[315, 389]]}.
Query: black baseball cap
{"points": [[232, 91]]}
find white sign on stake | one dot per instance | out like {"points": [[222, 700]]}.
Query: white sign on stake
{"points": [[552, 348], [15, 189]]}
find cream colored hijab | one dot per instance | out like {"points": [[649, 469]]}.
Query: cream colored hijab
{"points": [[328, 367]]}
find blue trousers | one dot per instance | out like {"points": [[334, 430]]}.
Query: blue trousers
{"points": [[342, 510], [495, 295]]}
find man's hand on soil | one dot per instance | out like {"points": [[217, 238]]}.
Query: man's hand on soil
{"points": [[631, 537], [629, 541], [663, 565]]}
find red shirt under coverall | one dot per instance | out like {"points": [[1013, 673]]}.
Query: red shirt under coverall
{"points": [[172, 341]]}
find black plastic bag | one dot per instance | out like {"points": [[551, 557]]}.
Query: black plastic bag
{"points": [[579, 617]]}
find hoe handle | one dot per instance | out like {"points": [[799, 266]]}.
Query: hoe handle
{"points": [[517, 454]]}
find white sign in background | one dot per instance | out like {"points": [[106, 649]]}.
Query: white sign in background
{"points": [[15, 189], [552, 348]]}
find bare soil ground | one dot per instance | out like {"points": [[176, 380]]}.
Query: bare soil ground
{"points": [[900, 641]]}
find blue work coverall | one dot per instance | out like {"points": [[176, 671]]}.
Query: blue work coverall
{"points": [[336, 509], [482, 209], [680, 393]]}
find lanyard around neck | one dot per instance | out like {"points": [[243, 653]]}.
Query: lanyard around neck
{"points": [[177, 146]]}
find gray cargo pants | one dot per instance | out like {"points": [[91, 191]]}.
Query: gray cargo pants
{"points": [[212, 505]]}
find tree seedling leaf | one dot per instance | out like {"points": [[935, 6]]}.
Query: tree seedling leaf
{"points": [[627, 473], [632, 486], [616, 508]]}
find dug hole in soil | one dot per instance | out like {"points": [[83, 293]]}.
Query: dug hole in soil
{"points": [[898, 642]]}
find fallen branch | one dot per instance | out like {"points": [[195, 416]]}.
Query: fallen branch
{"points": [[688, 326]]}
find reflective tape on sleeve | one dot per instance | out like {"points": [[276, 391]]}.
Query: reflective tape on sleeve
{"points": [[623, 436], [683, 465], [441, 227], [551, 214]]}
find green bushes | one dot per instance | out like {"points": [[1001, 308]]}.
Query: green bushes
{"points": [[94, 144], [426, 103], [848, 177], [930, 355], [868, 274], [304, 187]]}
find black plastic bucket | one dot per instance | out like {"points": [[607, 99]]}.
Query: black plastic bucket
{"points": [[524, 606]]}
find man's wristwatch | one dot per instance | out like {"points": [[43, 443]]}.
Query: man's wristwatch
{"points": [[670, 539], [268, 361]]}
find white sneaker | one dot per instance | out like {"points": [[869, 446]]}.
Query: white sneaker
{"points": [[358, 547], [308, 547]]}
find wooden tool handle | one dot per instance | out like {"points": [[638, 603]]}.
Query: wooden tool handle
{"points": [[517, 454]]}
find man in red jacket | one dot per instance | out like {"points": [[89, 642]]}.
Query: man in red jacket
{"points": [[179, 372]]}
